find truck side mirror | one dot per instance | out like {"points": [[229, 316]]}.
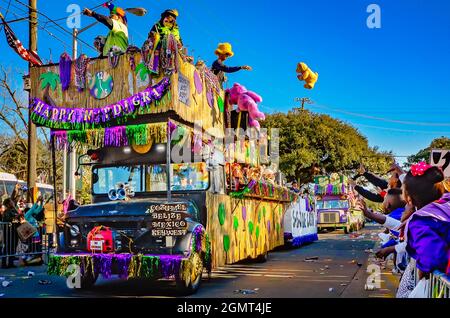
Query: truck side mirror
{"points": [[94, 178]]}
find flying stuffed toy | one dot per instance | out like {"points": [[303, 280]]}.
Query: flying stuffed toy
{"points": [[247, 101], [305, 74]]}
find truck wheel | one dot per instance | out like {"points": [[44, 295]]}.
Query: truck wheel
{"points": [[88, 280], [189, 284], [262, 258]]}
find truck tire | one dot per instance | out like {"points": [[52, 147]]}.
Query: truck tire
{"points": [[88, 280], [190, 284], [262, 258]]}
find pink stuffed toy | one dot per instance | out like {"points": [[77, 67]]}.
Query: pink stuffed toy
{"points": [[247, 101]]}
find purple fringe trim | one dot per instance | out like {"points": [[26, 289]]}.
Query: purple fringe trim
{"points": [[198, 234], [123, 262], [103, 264], [116, 136], [61, 140], [170, 265]]}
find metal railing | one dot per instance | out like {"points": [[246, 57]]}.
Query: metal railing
{"points": [[11, 246], [439, 285]]}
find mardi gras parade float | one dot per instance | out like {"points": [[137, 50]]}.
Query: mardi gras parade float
{"points": [[300, 222], [335, 204], [179, 185]]}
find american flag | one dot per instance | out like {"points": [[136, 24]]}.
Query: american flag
{"points": [[17, 46]]}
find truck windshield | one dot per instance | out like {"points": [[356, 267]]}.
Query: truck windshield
{"points": [[332, 204], [151, 178]]}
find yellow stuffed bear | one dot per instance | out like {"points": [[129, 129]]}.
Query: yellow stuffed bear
{"points": [[305, 74]]}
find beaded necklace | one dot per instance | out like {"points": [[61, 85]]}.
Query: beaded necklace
{"points": [[65, 71], [81, 65], [114, 56]]}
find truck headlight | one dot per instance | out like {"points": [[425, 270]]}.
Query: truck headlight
{"points": [[118, 244], [74, 230]]}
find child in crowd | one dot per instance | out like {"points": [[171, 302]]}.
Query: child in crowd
{"points": [[427, 230]]}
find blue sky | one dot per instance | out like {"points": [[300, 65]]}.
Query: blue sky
{"points": [[401, 71]]}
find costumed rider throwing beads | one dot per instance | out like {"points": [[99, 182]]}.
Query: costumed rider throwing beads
{"points": [[224, 51], [164, 37], [117, 38], [168, 25]]}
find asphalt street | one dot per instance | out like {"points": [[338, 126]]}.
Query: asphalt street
{"points": [[335, 266]]}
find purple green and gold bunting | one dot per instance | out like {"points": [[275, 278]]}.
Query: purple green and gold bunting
{"points": [[118, 136], [84, 118]]}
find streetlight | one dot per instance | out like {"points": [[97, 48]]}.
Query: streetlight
{"points": [[73, 155], [72, 160]]}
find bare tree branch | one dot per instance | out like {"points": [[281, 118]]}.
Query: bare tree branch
{"points": [[10, 124], [5, 84], [44, 133]]}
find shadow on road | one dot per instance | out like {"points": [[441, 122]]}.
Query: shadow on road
{"points": [[130, 288]]}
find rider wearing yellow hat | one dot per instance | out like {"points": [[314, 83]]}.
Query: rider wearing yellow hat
{"points": [[224, 51]]}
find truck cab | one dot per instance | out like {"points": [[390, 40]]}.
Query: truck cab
{"points": [[131, 216], [335, 204], [333, 212]]}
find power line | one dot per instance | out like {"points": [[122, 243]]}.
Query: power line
{"points": [[65, 44], [79, 14], [59, 26], [44, 28], [13, 21], [7, 9], [403, 130], [403, 122], [6, 14]]}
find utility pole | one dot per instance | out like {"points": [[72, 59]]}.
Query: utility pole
{"points": [[32, 131], [73, 153], [303, 100]]}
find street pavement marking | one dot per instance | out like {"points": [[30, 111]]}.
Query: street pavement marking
{"points": [[325, 281], [230, 271], [381, 296], [235, 269], [236, 274], [267, 269], [279, 276], [223, 276], [252, 273], [337, 276]]}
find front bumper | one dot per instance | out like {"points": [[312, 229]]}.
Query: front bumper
{"points": [[126, 266]]}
